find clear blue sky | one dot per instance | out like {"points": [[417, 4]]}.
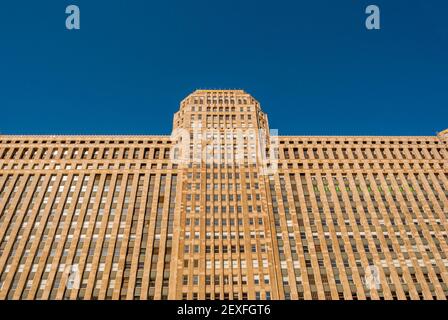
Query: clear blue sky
{"points": [[312, 64]]}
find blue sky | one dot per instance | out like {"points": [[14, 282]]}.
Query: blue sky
{"points": [[312, 64]]}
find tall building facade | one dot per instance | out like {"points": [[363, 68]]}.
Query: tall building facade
{"points": [[224, 208]]}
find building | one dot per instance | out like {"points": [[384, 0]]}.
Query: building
{"points": [[223, 209]]}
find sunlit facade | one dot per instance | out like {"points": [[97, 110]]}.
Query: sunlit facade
{"points": [[224, 208]]}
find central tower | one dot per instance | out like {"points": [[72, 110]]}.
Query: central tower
{"points": [[223, 147], [222, 127]]}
